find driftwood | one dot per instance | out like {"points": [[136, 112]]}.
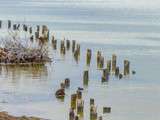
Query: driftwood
{"points": [[14, 52]]}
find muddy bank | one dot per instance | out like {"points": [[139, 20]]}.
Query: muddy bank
{"points": [[6, 116]]}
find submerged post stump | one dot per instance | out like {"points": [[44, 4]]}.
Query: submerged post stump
{"points": [[86, 77]]}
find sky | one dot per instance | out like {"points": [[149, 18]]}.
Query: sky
{"points": [[138, 4]]}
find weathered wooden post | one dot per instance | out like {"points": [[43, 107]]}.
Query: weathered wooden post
{"points": [[25, 28], [86, 77], [73, 100], [106, 110], [30, 30], [76, 57], [68, 44], [101, 64], [93, 112], [114, 61], [117, 72], [38, 28], [54, 43], [105, 76], [14, 26], [36, 34], [62, 85], [126, 67], [79, 94], [91, 101], [67, 82], [9, 24], [73, 45], [62, 47], [109, 65], [98, 59], [80, 107], [88, 56], [78, 49]]}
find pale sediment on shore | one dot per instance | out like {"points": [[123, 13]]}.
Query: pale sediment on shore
{"points": [[6, 116]]}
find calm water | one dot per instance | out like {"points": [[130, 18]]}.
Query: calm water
{"points": [[129, 29]]}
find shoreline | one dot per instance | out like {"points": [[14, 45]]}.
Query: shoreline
{"points": [[6, 116]]}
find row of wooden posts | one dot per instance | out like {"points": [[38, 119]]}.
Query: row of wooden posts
{"points": [[77, 102], [77, 108], [40, 34]]}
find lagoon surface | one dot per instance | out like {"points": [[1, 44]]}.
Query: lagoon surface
{"points": [[126, 28]]}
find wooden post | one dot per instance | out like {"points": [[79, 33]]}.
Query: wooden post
{"points": [[30, 30], [73, 45], [126, 67], [80, 107], [25, 28], [68, 44], [79, 94], [62, 47], [67, 82], [106, 110], [93, 112], [88, 56], [91, 101], [14, 26], [114, 61], [101, 62], [37, 35], [9, 24], [85, 77], [54, 43], [109, 65], [73, 101], [78, 49], [38, 28], [98, 59], [105, 76], [117, 72]]}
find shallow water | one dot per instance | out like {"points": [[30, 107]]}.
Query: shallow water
{"points": [[131, 33]]}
